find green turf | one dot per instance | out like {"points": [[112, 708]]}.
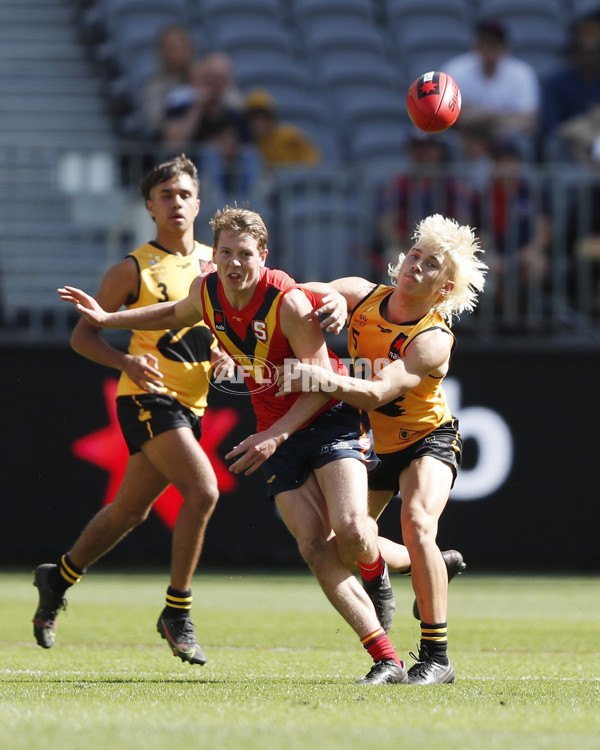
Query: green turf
{"points": [[282, 667]]}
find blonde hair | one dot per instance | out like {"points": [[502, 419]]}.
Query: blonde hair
{"points": [[458, 246]]}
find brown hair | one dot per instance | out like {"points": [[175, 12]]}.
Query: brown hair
{"points": [[239, 221], [165, 171]]}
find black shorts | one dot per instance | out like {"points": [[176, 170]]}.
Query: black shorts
{"points": [[146, 416], [444, 443], [340, 432]]}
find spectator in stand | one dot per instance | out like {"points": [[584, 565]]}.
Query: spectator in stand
{"points": [[231, 168], [205, 118], [423, 188], [474, 154], [280, 143], [512, 218], [498, 89], [175, 53], [570, 110], [199, 111]]}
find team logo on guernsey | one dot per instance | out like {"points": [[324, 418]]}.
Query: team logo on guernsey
{"points": [[219, 320], [396, 347]]}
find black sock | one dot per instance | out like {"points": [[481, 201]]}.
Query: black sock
{"points": [[434, 641], [179, 603], [64, 575]]}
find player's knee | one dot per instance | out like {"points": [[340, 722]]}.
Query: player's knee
{"points": [[313, 549], [417, 532], [210, 495], [203, 499], [129, 518], [351, 532]]}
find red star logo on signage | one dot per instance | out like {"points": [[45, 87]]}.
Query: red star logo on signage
{"points": [[106, 448]]}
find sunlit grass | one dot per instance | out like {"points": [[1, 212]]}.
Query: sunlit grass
{"points": [[282, 666]]}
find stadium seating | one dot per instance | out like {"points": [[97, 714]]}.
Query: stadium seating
{"points": [[349, 68], [307, 10], [536, 35], [577, 8], [358, 103], [402, 9], [378, 149], [211, 10], [439, 33], [249, 31], [552, 9], [337, 68], [323, 232], [331, 32], [268, 68], [111, 14]]}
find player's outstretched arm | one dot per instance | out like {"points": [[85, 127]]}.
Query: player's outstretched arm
{"points": [[157, 317], [428, 354]]}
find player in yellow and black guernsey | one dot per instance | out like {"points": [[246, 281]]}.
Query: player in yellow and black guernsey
{"points": [[401, 342], [409, 418], [161, 398], [183, 356]]}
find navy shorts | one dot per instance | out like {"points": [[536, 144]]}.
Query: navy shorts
{"points": [[340, 432], [443, 443], [145, 416]]}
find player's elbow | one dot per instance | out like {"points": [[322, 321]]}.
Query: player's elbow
{"points": [[80, 337], [380, 391]]}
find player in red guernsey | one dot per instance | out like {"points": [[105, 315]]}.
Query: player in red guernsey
{"points": [[314, 452], [253, 335]]}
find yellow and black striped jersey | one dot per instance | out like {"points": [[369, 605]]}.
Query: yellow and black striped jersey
{"points": [[183, 354], [374, 342]]}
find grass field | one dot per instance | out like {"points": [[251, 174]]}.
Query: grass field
{"points": [[282, 666]]}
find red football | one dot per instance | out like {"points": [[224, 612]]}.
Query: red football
{"points": [[433, 101]]}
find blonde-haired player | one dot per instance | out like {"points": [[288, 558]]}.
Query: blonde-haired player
{"points": [[459, 247], [401, 341]]}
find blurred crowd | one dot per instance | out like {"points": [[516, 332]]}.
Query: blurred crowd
{"points": [[479, 172], [194, 105]]}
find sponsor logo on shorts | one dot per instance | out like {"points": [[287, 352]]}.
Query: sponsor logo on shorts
{"points": [[332, 447]]}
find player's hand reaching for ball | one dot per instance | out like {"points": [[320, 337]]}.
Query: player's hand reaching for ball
{"points": [[84, 304]]}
